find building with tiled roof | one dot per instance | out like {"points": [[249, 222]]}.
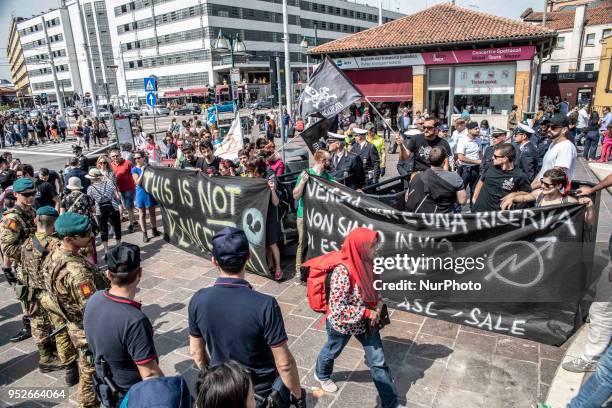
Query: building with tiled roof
{"points": [[446, 59], [572, 70], [440, 27]]}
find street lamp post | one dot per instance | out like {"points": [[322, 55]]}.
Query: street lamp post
{"points": [[304, 44], [234, 46], [114, 69]]}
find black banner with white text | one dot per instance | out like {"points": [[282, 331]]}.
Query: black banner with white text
{"points": [[521, 272], [195, 206]]}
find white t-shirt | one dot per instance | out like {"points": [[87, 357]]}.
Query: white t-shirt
{"points": [[470, 149], [562, 154], [583, 119]]}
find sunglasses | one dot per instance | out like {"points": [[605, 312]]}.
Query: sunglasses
{"points": [[545, 184], [498, 157], [28, 194], [428, 127]]}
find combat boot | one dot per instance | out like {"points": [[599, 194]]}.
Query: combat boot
{"points": [[72, 374], [24, 333], [47, 361]]}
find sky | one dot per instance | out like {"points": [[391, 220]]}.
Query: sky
{"points": [[25, 8]]}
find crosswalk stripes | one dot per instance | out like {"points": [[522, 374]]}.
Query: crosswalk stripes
{"points": [[47, 149]]}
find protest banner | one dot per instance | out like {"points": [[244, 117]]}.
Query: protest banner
{"points": [[521, 272], [232, 142], [195, 206]]}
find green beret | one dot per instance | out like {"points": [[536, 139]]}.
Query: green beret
{"points": [[47, 210], [70, 224], [23, 184]]}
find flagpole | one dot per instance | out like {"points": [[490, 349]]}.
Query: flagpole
{"points": [[381, 116]]}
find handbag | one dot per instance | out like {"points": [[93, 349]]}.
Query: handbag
{"points": [[383, 320], [105, 204]]}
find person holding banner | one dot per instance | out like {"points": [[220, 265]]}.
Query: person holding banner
{"points": [[321, 166], [144, 201], [257, 168], [355, 309]]}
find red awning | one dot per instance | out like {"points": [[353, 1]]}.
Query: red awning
{"points": [[187, 92], [383, 85]]}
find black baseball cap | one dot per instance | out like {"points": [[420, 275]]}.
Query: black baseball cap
{"points": [[472, 125], [230, 246], [559, 119], [123, 259]]}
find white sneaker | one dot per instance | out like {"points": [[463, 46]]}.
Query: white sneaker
{"points": [[579, 365], [326, 385]]}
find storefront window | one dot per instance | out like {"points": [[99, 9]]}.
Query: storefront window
{"points": [[484, 89], [438, 77]]}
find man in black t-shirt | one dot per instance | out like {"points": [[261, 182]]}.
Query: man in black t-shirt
{"points": [[119, 334], [210, 163], [419, 146], [46, 194], [499, 179]]}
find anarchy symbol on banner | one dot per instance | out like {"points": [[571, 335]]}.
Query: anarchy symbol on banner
{"points": [[253, 226], [513, 266]]}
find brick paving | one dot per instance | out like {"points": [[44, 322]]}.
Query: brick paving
{"points": [[435, 363]]}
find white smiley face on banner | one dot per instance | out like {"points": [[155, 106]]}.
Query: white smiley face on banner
{"points": [[253, 226]]}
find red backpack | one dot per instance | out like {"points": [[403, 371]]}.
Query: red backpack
{"points": [[318, 271]]}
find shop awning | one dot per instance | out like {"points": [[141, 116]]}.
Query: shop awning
{"points": [[187, 92], [225, 88], [383, 85]]}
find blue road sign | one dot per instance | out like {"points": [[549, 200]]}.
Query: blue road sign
{"points": [[151, 99], [43, 94], [149, 85]]}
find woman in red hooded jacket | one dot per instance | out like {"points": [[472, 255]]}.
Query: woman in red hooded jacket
{"points": [[353, 303]]}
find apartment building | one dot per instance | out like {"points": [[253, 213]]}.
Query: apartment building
{"points": [[571, 71], [19, 72], [108, 47], [174, 40], [63, 54]]}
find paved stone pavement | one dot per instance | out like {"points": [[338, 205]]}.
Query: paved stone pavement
{"points": [[435, 363]]}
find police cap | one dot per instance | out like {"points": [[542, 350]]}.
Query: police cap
{"points": [[123, 259], [230, 246]]}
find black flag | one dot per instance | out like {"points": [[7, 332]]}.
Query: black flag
{"points": [[315, 135], [328, 92]]}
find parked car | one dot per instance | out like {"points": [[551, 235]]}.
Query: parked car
{"points": [[190, 108], [221, 107], [261, 104], [130, 113], [104, 113], [159, 110]]}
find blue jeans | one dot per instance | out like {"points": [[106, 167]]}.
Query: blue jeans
{"points": [[375, 358], [590, 146], [598, 387]]}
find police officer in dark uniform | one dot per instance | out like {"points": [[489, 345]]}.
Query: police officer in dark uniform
{"points": [[119, 334], [368, 155], [498, 136], [83, 161], [527, 153], [248, 329], [345, 166]]}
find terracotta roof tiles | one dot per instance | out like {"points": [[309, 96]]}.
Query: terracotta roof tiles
{"points": [[440, 24], [564, 19]]}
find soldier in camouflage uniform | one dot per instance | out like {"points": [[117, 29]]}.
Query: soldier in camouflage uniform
{"points": [[17, 225], [70, 280], [33, 252]]}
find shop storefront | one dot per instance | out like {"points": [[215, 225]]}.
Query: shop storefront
{"points": [[577, 87], [483, 66]]}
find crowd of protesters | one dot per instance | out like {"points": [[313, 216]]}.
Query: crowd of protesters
{"points": [[248, 363]]}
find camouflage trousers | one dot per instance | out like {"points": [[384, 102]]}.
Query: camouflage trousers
{"points": [[85, 391], [44, 323]]}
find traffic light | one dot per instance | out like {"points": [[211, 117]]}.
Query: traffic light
{"points": [[211, 93], [38, 99], [44, 100]]}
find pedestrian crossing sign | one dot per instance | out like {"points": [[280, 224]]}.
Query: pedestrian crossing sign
{"points": [[149, 84]]}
